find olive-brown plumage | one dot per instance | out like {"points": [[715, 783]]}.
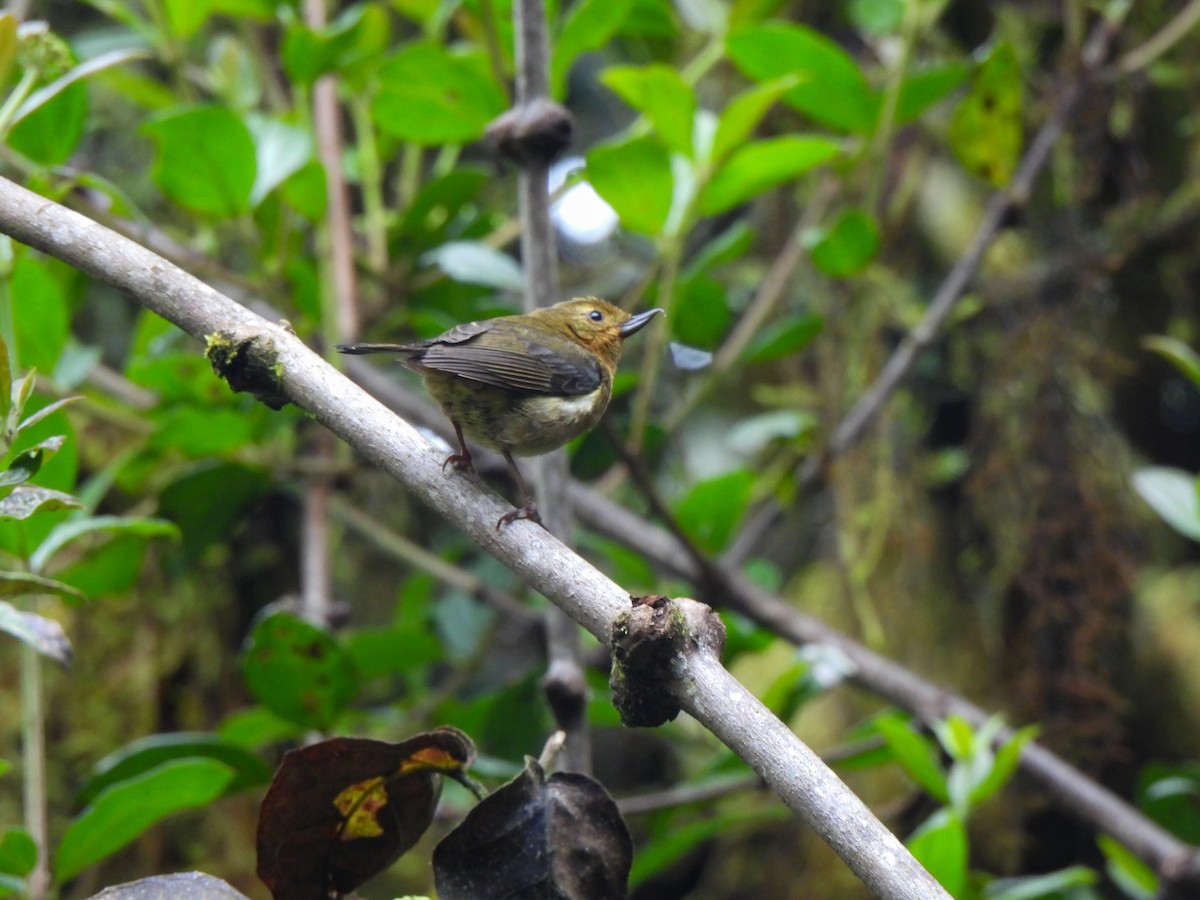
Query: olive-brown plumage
{"points": [[523, 385]]}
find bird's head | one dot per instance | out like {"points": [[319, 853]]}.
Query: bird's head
{"points": [[595, 324]]}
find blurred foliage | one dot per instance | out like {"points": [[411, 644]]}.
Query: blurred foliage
{"points": [[791, 181]]}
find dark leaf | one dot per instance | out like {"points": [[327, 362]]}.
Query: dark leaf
{"points": [[560, 837], [342, 810]]}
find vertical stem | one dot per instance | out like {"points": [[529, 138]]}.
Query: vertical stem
{"points": [[540, 258], [33, 753], [371, 171]]}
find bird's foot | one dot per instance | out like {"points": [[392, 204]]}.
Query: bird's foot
{"points": [[461, 462], [528, 511]]}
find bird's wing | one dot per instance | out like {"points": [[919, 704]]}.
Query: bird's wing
{"points": [[544, 366]]}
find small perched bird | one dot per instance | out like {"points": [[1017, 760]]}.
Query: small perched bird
{"points": [[525, 384]]}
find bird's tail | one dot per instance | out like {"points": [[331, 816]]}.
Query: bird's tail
{"points": [[363, 349]]}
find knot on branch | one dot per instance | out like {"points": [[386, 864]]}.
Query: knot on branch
{"points": [[650, 645], [566, 694], [249, 364], [537, 131]]}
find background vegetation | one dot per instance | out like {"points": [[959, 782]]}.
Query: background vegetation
{"points": [[996, 200]]}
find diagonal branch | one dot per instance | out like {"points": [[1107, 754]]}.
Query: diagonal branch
{"points": [[293, 372]]}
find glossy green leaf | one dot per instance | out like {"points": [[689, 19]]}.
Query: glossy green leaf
{"points": [[28, 499], [1003, 766], [1170, 795], [205, 161], [589, 25], [24, 465], [475, 262], [659, 93], [1172, 493], [44, 635], [761, 166], [74, 529], [1136, 879], [876, 17], [1179, 354], [429, 95], [785, 337], [186, 16], [847, 247], [668, 845], [359, 35], [635, 178], [124, 811], [831, 91], [986, 131], [148, 753], [299, 671], [940, 845], [41, 320], [742, 114], [731, 244], [18, 852], [1051, 886], [915, 754], [13, 584], [701, 317], [50, 132], [923, 88], [711, 511], [280, 150]]}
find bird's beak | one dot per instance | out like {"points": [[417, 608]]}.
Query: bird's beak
{"points": [[638, 322]]}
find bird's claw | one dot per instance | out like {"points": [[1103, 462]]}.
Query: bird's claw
{"points": [[461, 462], [528, 511]]}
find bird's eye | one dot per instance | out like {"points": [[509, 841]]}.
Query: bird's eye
{"points": [[596, 316]]}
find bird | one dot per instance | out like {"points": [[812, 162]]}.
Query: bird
{"points": [[523, 384]]}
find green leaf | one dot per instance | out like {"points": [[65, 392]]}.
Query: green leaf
{"points": [[1004, 765], [48, 410], [786, 337], [14, 584], [18, 852], [28, 499], [701, 316], [762, 165], [743, 113], [299, 671], [428, 95], [280, 150], [847, 247], [1179, 354], [635, 178], [201, 432], [986, 131], [44, 635], [206, 159], [1132, 875], [50, 132], [711, 510], [148, 753], [876, 17], [207, 501], [1172, 494], [1051, 886], [751, 434], [41, 321], [1170, 795], [124, 811], [73, 529], [474, 262], [590, 25], [916, 755], [359, 35], [659, 93], [940, 845], [668, 845], [186, 16], [832, 90], [921, 90], [26, 464]]}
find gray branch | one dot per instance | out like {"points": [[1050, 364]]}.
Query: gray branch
{"points": [[706, 689]]}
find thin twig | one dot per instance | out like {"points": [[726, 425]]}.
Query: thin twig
{"points": [[1166, 38]]}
